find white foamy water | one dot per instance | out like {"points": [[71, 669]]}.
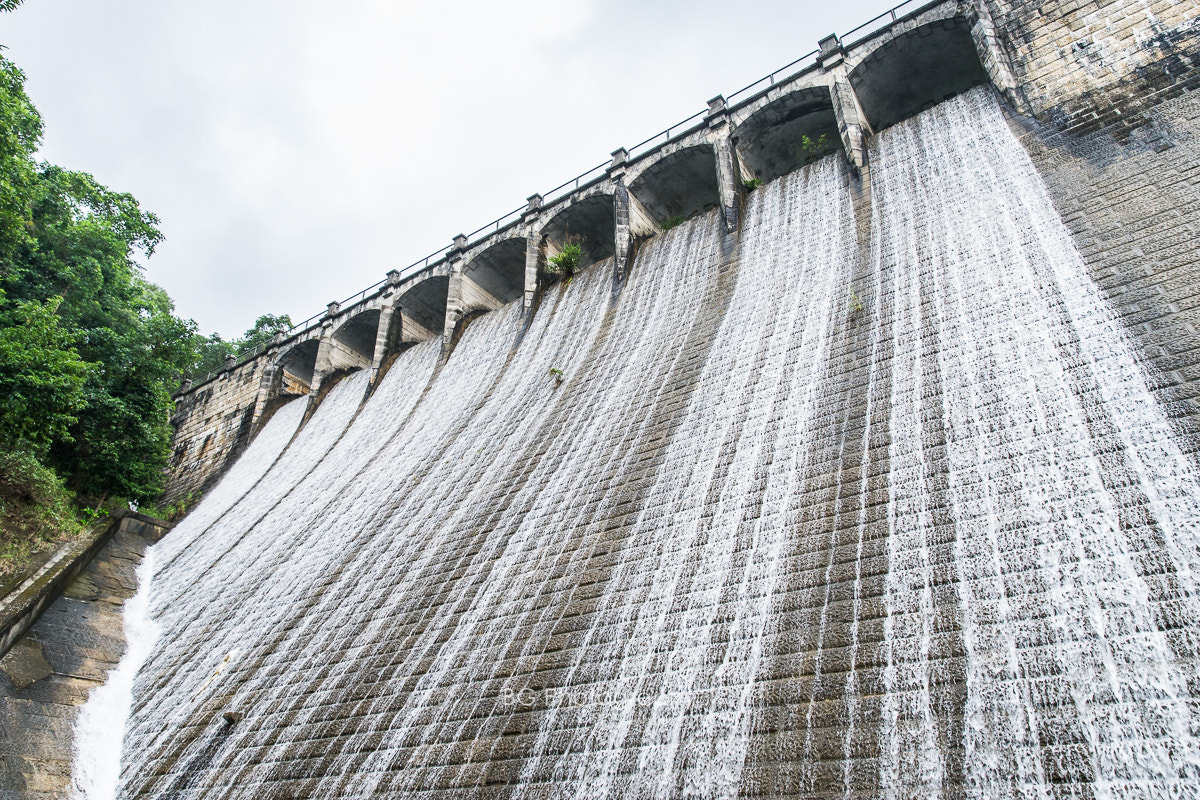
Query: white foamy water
{"points": [[1029, 456], [900, 522], [100, 728]]}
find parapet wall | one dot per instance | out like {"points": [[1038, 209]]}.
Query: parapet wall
{"points": [[1101, 90]]}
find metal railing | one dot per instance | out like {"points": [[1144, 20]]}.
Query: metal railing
{"points": [[762, 84], [679, 129], [886, 20]]}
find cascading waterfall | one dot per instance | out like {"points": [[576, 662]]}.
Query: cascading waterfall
{"points": [[669, 663], [1067, 511], [897, 522], [101, 726]]}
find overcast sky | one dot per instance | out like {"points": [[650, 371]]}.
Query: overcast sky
{"points": [[296, 151]]}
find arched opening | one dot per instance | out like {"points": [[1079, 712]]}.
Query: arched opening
{"points": [[785, 135], [297, 366], [358, 336], [499, 272], [680, 185], [917, 70], [590, 223], [422, 309]]}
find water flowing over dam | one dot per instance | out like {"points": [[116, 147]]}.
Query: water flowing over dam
{"points": [[874, 500]]}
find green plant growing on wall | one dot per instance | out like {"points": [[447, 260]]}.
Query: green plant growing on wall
{"points": [[815, 147], [671, 222], [752, 184], [856, 305], [569, 259], [557, 374]]}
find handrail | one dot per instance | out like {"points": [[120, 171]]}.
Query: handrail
{"points": [[740, 97], [889, 17], [750, 91]]}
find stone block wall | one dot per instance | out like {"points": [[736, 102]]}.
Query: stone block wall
{"points": [[212, 426], [49, 672], [1132, 203], [1089, 63], [1113, 88]]}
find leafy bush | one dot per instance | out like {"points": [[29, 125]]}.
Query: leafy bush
{"points": [[41, 376], [567, 261], [35, 509], [814, 148], [671, 222], [752, 184], [172, 512]]}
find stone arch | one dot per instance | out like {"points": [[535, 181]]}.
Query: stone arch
{"points": [[359, 333], [680, 184], [297, 367], [590, 220], [422, 309], [499, 271], [917, 69], [772, 141]]}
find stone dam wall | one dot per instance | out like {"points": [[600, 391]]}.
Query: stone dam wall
{"points": [[1103, 90], [876, 480]]}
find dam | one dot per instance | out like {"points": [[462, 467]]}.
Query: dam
{"points": [[857, 461]]}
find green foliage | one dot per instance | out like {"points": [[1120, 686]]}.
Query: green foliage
{"points": [[20, 134], [172, 512], [856, 305], [568, 260], [262, 333], [752, 184], [557, 374], [41, 377], [35, 508], [671, 222], [210, 354], [89, 349], [814, 148], [212, 350]]}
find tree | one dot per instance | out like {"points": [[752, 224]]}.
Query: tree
{"points": [[101, 346], [211, 352], [263, 332], [41, 377], [20, 134]]}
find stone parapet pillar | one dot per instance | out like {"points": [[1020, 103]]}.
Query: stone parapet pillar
{"points": [[719, 134], [454, 295], [994, 59], [622, 235], [852, 124], [324, 363], [387, 333], [269, 383], [533, 247]]}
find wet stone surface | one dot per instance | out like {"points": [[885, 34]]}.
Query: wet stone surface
{"points": [[47, 675]]}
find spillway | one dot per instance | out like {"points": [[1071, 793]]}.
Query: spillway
{"points": [[879, 502]]}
